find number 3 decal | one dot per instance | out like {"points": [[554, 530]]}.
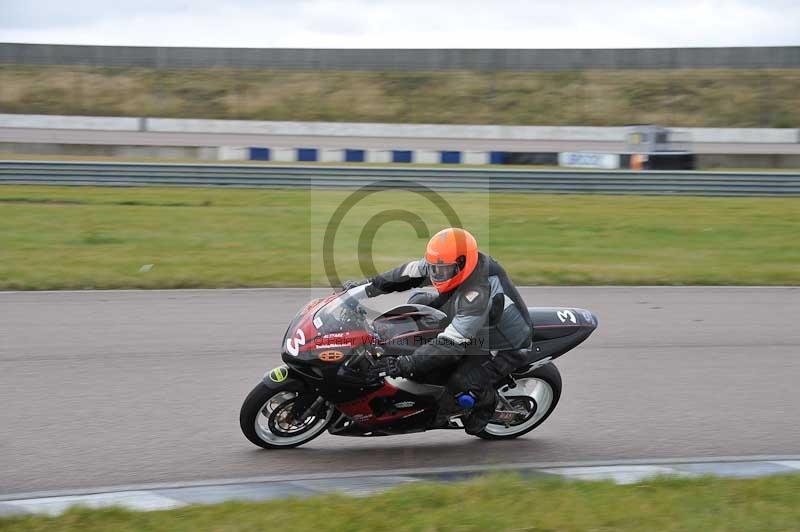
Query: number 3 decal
{"points": [[293, 344], [563, 315]]}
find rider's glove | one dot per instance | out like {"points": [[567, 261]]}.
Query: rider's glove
{"points": [[347, 285], [401, 366], [369, 290]]}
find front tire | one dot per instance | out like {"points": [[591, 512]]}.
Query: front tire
{"points": [[265, 419], [542, 386]]}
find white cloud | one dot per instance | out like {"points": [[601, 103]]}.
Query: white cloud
{"points": [[405, 23]]}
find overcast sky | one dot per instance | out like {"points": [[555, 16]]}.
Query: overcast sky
{"points": [[404, 23]]}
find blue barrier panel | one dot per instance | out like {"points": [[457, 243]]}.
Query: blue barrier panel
{"points": [[401, 156], [307, 154], [497, 157], [450, 157], [259, 154], [354, 156]]}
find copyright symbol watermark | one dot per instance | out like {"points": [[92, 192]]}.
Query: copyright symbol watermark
{"points": [[375, 221]]}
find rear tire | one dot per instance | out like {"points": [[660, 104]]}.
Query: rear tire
{"points": [[543, 385], [263, 419]]}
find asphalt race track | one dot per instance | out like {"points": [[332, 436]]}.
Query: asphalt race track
{"points": [[126, 387]]}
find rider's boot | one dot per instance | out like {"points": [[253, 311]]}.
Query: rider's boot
{"points": [[480, 415], [448, 407]]}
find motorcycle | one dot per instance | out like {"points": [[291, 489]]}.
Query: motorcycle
{"points": [[330, 345]]}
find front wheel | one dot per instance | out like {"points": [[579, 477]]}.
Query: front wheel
{"points": [[531, 401], [267, 419]]}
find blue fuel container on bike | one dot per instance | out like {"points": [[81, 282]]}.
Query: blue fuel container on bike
{"points": [[465, 400]]}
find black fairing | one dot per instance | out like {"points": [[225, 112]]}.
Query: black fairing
{"points": [[406, 327], [557, 330], [284, 378]]}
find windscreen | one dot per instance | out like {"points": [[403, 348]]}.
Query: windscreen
{"points": [[340, 315]]}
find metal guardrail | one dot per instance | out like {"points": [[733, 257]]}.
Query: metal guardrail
{"points": [[440, 179]]}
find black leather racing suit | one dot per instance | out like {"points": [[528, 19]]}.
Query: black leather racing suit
{"points": [[485, 314]]}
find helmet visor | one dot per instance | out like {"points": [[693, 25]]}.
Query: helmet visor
{"points": [[440, 273]]}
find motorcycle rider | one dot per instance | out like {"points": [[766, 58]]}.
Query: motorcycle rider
{"points": [[485, 313]]}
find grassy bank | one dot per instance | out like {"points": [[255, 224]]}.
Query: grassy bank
{"points": [[82, 237], [710, 98], [500, 503]]}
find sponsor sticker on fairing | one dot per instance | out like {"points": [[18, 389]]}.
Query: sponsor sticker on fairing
{"points": [[331, 356], [278, 374]]}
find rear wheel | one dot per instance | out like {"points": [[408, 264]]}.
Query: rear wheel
{"points": [[268, 421], [526, 405]]}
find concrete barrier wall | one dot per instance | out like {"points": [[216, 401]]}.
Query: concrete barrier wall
{"points": [[305, 141], [739, 135], [202, 153], [103, 123], [374, 130], [401, 59], [350, 129]]}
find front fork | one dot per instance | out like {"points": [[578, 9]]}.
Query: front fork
{"points": [[303, 407], [284, 379]]}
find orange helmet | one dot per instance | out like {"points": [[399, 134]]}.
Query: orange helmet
{"points": [[452, 255]]}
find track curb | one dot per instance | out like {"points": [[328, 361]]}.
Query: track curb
{"points": [[165, 496]]}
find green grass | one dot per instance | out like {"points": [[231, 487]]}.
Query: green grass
{"points": [[709, 98], [494, 503], [82, 237]]}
